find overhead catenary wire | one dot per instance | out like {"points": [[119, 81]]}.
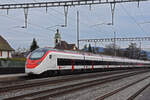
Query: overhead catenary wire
{"points": [[134, 20], [35, 1], [19, 20], [60, 13], [36, 25]]}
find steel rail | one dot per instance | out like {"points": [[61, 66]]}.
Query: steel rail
{"points": [[55, 92], [120, 89], [48, 82], [138, 92]]}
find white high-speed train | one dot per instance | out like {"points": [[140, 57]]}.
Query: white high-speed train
{"points": [[47, 60]]}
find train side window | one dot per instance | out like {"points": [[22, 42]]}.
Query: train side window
{"points": [[50, 56]]}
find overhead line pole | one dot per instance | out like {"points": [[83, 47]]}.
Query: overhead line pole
{"points": [[114, 43], [62, 3], [78, 29]]}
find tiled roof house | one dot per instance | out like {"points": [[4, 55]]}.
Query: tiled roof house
{"points": [[5, 49]]}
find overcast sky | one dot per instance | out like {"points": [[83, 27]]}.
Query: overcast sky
{"points": [[129, 21]]}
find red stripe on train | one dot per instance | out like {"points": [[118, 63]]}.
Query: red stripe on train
{"points": [[34, 63]]}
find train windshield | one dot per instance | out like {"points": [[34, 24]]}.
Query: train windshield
{"points": [[37, 54]]}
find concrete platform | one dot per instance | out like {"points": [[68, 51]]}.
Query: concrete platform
{"points": [[11, 76], [11, 70]]}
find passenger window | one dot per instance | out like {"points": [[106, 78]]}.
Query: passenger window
{"points": [[50, 56]]}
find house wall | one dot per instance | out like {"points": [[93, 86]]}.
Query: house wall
{"points": [[5, 54]]}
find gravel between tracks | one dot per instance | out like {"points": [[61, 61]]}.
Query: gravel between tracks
{"points": [[126, 93], [94, 92], [45, 87], [85, 94], [49, 78], [145, 95]]}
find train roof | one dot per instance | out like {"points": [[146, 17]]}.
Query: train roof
{"points": [[106, 57]]}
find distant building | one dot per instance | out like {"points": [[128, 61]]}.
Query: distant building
{"points": [[59, 44], [57, 39], [5, 49]]}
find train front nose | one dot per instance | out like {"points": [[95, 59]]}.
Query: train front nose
{"points": [[34, 60], [32, 63], [32, 66]]}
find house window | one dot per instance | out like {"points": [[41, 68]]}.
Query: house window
{"points": [[0, 53]]}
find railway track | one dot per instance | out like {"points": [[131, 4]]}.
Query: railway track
{"points": [[107, 95], [47, 81], [12, 78], [9, 79], [138, 92], [62, 90], [18, 79]]}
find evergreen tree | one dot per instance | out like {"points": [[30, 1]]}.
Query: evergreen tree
{"points": [[89, 48], [33, 45], [85, 48]]}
